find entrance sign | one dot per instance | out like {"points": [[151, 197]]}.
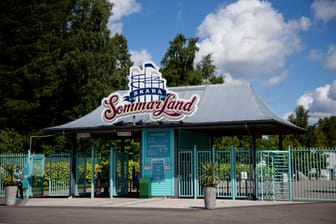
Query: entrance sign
{"points": [[148, 94]]}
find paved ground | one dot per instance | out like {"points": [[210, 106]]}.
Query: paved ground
{"points": [[156, 202], [160, 210]]}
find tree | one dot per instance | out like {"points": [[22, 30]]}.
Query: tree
{"points": [[92, 64], [300, 119], [178, 62], [29, 47], [326, 130], [207, 70]]}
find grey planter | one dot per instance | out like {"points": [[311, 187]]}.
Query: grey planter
{"points": [[210, 197], [10, 195]]}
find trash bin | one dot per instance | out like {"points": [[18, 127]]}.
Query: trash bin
{"points": [[145, 187]]}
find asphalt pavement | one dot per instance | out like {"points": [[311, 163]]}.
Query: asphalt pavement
{"points": [[161, 210]]}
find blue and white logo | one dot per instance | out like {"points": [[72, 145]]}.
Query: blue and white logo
{"points": [[146, 84]]}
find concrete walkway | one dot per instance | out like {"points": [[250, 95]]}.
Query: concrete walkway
{"points": [[142, 203]]}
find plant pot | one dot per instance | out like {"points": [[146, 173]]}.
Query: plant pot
{"points": [[210, 197], [10, 195]]}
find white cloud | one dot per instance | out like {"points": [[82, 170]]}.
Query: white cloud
{"points": [[120, 9], [315, 55], [330, 61], [138, 57], [249, 39], [324, 10], [320, 103], [276, 79]]}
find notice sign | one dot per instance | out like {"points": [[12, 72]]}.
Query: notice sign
{"points": [[158, 144], [158, 169]]}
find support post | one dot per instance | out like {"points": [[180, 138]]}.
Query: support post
{"points": [[111, 173], [281, 138], [73, 175], [254, 167], [29, 191], [195, 173], [233, 173], [290, 175], [92, 172]]}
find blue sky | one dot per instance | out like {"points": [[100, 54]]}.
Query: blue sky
{"points": [[286, 49]]}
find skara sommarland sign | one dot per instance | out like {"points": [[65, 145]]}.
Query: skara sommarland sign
{"points": [[148, 94]]}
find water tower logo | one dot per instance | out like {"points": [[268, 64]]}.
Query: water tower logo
{"points": [[148, 94], [146, 84]]}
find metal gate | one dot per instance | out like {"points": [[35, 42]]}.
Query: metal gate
{"points": [[235, 172], [81, 166], [186, 174], [59, 174], [118, 173], [36, 172], [273, 175], [188, 171]]}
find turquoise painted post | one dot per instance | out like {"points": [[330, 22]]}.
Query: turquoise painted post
{"points": [[111, 174], [29, 191], [290, 190], [195, 173], [92, 171], [233, 173]]}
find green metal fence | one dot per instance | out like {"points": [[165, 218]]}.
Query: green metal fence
{"points": [[313, 173], [293, 174], [234, 171], [59, 166], [11, 159]]}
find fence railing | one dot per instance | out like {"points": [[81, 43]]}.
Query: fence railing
{"points": [[313, 174]]}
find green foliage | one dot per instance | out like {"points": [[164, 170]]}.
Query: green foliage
{"points": [[178, 62], [132, 164], [207, 71], [209, 174], [7, 174], [12, 141]]}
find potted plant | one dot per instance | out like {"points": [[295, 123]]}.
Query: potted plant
{"points": [[209, 179], [7, 178]]}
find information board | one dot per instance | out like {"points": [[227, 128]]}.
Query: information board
{"points": [[158, 169], [158, 144]]}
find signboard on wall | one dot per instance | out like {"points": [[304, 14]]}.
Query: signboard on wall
{"points": [[158, 144], [158, 169], [148, 94]]}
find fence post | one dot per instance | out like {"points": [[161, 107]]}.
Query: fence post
{"points": [[92, 171], [290, 175], [29, 175], [233, 172], [195, 173], [111, 174]]}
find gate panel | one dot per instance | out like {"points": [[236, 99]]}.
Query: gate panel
{"points": [[185, 174], [243, 178], [59, 174], [36, 171], [314, 174], [224, 187], [118, 173], [81, 162], [202, 157], [273, 175]]}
